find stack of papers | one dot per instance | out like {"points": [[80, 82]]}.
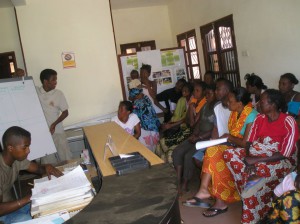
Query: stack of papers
{"points": [[70, 192]]}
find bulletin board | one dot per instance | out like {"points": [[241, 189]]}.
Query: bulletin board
{"points": [[20, 106], [167, 66]]}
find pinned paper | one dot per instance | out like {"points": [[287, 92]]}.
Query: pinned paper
{"points": [[68, 60]]}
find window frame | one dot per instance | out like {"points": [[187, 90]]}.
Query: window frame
{"points": [[6, 59], [137, 45], [185, 36], [233, 75]]}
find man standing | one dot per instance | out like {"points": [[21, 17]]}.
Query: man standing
{"points": [[55, 108]]}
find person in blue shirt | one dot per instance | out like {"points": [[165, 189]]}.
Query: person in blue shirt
{"points": [[287, 83]]}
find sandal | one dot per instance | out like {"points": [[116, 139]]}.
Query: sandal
{"points": [[197, 203], [217, 211]]}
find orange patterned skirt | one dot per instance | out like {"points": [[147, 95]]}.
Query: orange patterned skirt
{"points": [[222, 185]]}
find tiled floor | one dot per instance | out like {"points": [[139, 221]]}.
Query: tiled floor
{"points": [[194, 215]]}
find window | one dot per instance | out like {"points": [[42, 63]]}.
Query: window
{"points": [[219, 49], [188, 41], [138, 46], [8, 64]]}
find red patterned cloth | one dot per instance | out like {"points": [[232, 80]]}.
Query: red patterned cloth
{"points": [[267, 138]]}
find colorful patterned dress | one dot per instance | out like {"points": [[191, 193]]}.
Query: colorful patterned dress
{"points": [[267, 139], [286, 209], [149, 122], [222, 185]]}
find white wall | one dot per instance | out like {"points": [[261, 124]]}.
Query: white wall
{"points": [[268, 29], [143, 24], [50, 27], [9, 34]]}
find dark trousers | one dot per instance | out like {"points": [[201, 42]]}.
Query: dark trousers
{"points": [[183, 156]]}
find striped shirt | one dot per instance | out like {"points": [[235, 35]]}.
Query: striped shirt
{"points": [[284, 130]]}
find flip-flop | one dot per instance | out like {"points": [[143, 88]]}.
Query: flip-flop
{"points": [[197, 203], [252, 187], [217, 211]]}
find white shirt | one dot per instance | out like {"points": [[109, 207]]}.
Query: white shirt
{"points": [[53, 103], [222, 116], [254, 103], [133, 120]]}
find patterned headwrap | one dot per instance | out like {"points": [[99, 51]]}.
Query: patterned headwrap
{"points": [[134, 92]]}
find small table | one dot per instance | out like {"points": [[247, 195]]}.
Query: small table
{"points": [[96, 138]]}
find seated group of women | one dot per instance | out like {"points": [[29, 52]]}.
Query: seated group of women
{"points": [[260, 152], [260, 149], [147, 128]]}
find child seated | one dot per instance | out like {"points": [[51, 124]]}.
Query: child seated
{"points": [[288, 184]]}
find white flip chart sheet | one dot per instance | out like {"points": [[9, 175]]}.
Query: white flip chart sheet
{"points": [[20, 106]]}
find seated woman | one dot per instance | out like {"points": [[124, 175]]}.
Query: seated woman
{"points": [[175, 131], [196, 103], [149, 122], [216, 179], [268, 154], [287, 83], [182, 154], [255, 87], [128, 120], [170, 97], [209, 78]]}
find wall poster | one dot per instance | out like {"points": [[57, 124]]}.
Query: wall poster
{"points": [[167, 67]]}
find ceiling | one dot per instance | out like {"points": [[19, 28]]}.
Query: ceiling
{"points": [[115, 4], [123, 4]]}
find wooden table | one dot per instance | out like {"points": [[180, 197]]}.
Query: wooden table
{"points": [[97, 137]]}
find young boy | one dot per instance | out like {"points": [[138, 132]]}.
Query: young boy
{"points": [[16, 142], [55, 107]]}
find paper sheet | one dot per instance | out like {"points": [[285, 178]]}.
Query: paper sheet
{"points": [[122, 156], [73, 180], [57, 218], [204, 144]]}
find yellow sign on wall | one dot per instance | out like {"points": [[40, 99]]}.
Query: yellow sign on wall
{"points": [[68, 60]]}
